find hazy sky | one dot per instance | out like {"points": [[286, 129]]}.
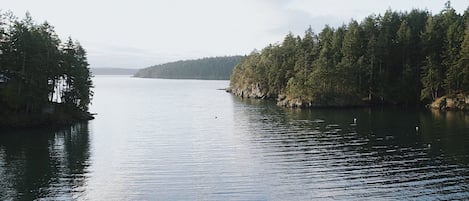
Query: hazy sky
{"points": [[140, 33]]}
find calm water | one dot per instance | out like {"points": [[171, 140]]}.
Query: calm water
{"points": [[185, 140]]}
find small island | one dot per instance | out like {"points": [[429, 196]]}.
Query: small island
{"points": [[399, 58], [43, 81], [211, 68]]}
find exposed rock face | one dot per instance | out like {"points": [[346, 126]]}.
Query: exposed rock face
{"points": [[332, 101], [287, 101], [256, 91], [251, 91], [452, 102]]}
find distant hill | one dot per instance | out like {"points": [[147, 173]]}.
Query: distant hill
{"points": [[213, 68], [113, 71]]}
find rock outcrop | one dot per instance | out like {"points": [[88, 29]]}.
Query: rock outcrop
{"points": [[251, 91], [257, 92], [324, 101], [451, 102]]}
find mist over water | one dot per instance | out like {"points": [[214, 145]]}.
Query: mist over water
{"points": [[186, 140]]}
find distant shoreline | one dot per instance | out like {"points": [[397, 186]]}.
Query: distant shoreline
{"points": [[114, 71], [209, 68], [172, 78]]}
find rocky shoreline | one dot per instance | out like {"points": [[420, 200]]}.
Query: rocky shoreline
{"points": [[324, 101], [255, 91], [451, 102], [252, 91]]}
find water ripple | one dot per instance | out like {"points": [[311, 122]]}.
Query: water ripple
{"points": [[187, 141]]}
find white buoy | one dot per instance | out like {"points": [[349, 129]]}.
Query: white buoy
{"points": [[417, 128], [354, 120]]}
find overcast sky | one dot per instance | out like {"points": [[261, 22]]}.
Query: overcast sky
{"points": [[141, 33]]}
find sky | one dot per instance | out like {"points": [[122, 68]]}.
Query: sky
{"points": [[142, 33]]}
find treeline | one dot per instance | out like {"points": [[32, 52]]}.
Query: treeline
{"points": [[395, 58], [213, 68], [39, 73]]}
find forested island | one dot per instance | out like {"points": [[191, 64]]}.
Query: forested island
{"points": [[399, 58], [43, 81], [212, 68]]}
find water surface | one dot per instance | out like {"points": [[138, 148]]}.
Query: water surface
{"points": [[186, 140]]}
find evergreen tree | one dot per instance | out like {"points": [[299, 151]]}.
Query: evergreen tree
{"points": [[35, 70], [432, 70], [454, 35], [350, 74], [463, 62], [369, 59], [397, 58]]}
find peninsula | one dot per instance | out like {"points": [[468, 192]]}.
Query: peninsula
{"points": [[43, 81], [399, 58]]}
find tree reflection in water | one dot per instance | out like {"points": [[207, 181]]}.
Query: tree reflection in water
{"points": [[44, 163]]}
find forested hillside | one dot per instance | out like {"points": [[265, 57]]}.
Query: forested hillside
{"points": [[395, 58], [214, 68], [42, 80]]}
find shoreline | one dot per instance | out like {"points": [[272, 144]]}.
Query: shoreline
{"points": [[52, 120], [458, 102], [455, 102]]}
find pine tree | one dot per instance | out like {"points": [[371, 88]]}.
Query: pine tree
{"points": [[463, 62], [369, 59], [400, 58], [36, 69]]}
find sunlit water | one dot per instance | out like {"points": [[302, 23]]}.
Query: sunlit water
{"points": [[185, 140]]}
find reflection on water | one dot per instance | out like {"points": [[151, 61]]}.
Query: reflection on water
{"points": [[184, 140], [44, 163], [382, 156]]}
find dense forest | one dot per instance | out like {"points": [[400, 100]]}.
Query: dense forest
{"points": [[213, 68], [403, 58], [42, 80]]}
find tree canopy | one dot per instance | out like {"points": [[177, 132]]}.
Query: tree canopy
{"points": [[398, 58], [37, 70], [212, 68]]}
